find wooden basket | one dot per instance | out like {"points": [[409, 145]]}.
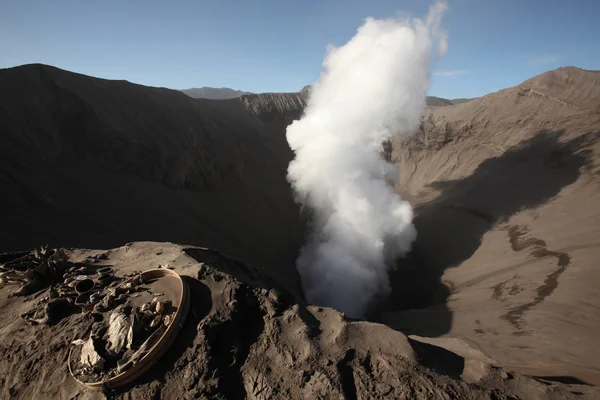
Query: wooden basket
{"points": [[159, 348]]}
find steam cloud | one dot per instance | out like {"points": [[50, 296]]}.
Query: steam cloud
{"points": [[371, 88]]}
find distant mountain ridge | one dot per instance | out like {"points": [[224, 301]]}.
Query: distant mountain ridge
{"points": [[211, 93], [206, 92], [433, 101]]}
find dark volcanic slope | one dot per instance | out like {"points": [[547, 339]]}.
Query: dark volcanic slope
{"points": [[89, 162]]}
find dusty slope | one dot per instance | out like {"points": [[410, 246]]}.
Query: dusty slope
{"points": [[98, 163], [244, 339], [507, 196]]}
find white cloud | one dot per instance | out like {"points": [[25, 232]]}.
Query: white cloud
{"points": [[544, 59], [452, 72]]}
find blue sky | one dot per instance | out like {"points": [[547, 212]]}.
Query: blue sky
{"points": [[279, 45]]}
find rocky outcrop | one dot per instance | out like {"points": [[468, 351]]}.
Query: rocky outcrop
{"points": [[244, 338], [273, 105]]}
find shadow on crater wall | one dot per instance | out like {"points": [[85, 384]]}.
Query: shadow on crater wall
{"points": [[450, 228]]}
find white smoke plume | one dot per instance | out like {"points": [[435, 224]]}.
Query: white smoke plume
{"points": [[370, 89]]}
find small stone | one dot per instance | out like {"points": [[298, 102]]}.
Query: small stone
{"points": [[274, 295], [156, 321]]}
